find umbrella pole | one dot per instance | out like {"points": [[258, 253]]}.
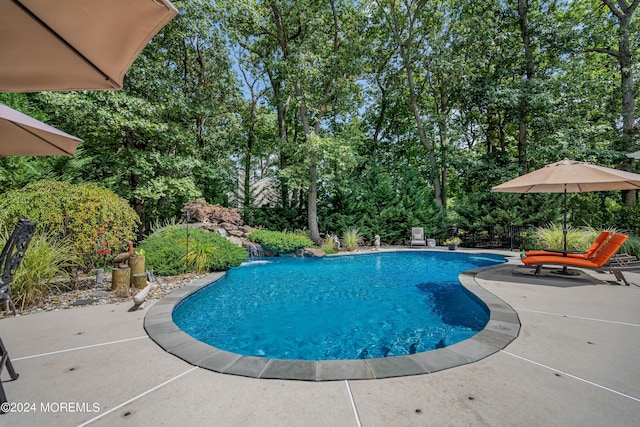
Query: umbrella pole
{"points": [[564, 228], [565, 269]]}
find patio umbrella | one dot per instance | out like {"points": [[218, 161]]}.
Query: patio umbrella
{"points": [[49, 45], [570, 176], [21, 135]]}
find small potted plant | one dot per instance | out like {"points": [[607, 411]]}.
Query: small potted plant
{"points": [[453, 243]]}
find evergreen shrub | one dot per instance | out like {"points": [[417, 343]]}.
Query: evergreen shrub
{"points": [[166, 251], [280, 242], [380, 202], [277, 218]]}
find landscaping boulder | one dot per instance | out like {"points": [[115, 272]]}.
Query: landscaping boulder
{"points": [[310, 253], [201, 211], [246, 229], [236, 233], [236, 241], [228, 226], [204, 225]]}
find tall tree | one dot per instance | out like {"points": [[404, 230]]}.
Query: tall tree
{"points": [[255, 93], [409, 23], [305, 51], [248, 25], [523, 20], [623, 13], [325, 67]]}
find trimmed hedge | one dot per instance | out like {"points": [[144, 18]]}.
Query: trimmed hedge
{"points": [[279, 242]]}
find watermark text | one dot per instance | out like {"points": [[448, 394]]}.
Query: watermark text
{"points": [[50, 407]]}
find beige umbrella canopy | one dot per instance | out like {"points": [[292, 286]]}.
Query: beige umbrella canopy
{"points": [[576, 176], [21, 135], [50, 45], [570, 176]]}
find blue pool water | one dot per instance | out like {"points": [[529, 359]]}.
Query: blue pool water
{"points": [[346, 307]]}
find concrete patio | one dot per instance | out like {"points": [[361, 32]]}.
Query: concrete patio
{"points": [[574, 363]]}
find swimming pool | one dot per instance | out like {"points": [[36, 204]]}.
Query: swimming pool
{"points": [[346, 307]]}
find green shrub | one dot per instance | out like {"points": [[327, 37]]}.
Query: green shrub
{"points": [[46, 257], [280, 242], [166, 251], [352, 238], [530, 240], [91, 217], [164, 255]]}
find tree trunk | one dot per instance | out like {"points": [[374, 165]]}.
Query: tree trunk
{"points": [[282, 106], [284, 187], [502, 134], [443, 172], [312, 197], [247, 196], [381, 115], [405, 55], [628, 101], [443, 130], [133, 185], [524, 96], [629, 130], [522, 139], [312, 203], [491, 130], [413, 104]]}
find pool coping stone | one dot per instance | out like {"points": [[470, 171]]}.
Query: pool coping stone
{"points": [[501, 329]]}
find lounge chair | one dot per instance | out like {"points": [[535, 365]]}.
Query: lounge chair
{"points": [[603, 256], [417, 237], [620, 263], [590, 253], [11, 258]]}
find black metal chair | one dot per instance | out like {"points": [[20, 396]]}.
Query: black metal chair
{"points": [[5, 361], [10, 259]]}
